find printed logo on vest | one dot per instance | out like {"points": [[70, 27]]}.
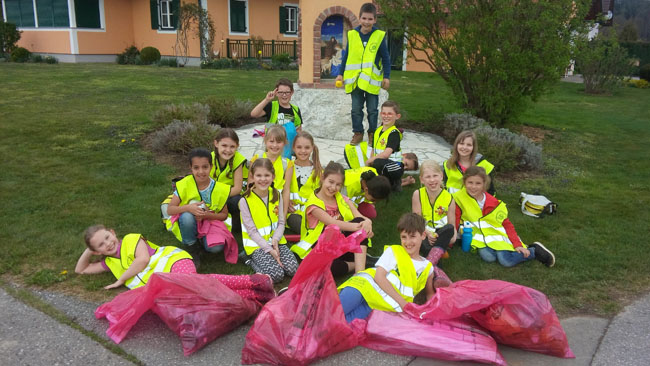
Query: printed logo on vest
{"points": [[501, 216], [373, 47]]}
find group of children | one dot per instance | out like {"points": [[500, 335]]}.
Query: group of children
{"points": [[286, 189]]}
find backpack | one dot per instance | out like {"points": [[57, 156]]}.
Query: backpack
{"points": [[536, 206]]}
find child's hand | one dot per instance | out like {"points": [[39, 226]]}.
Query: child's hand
{"points": [[385, 84], [432, 237], [291, 208], [271, 95], [367, 226], [408, 180], [196, 209], [276, 255], [339, 78], [523, 251], [115, 284]]}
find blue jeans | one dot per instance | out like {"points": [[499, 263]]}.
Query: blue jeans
{"points": [[187, 226], [354, 305], [359, 97], [506, 258]]}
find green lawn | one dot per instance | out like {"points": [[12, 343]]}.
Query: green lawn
{"points": [[64, 168]]}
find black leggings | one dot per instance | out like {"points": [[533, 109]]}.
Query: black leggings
{"points": [[445, 234], [339, 266]]}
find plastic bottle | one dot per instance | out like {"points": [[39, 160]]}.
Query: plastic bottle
{"points": [[467, 236]]}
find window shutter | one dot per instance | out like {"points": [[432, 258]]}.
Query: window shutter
{"points": [[20, 12], [284, 15], [153, 5], [60, 12], [87, 13], [176, 4], [237, 16]]}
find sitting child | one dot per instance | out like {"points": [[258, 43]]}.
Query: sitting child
{"points": [[364, 187], [400, 268], [229, 167], [305, 177], [464, 155], [492, 232]]}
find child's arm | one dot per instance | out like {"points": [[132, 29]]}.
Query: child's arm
{"points": [[286, 191], [430, 290], [382, 155], [173, 208], [326, 219], [415, 203], [258, 111], [221, 215], [384, 284], [451, 216], [238, 179], [459, 213], [139, 263], [366, 224], [85, 267]]}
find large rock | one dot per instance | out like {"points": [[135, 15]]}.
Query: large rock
{"points": [[326, 112]]}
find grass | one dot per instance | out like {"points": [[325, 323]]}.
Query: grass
{"points": [[65, 167]]}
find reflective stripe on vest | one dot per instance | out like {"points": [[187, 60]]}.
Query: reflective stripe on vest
{"points": [[264, 216], [353, 188], [438, 217], [309, 236], [279, 166], [356, 154], [381, 140], [360, 69], [188, 191], [161, 261], [455, 176], [487, 230], [275, 108], [226, 175], [404, 280], [299, 196]]}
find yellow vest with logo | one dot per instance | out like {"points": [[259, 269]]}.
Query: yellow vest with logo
{"points": [[275, 108], [455, 176], [487, 230], [279, 165], [357, 155], [380, 141], [353, 189], [161, 261], [436, 214], [309, 236], [360, 69], [404, 280], [265, 217], [299, 196], [226, 175]]}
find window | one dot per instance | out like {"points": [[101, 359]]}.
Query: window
{"points": [[164, 14], [52, 13], [238, 16], [289, 19], [87, 13], [20, 12]]}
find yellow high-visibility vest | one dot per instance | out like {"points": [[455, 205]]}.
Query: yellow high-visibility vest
{"points": [[455, 176], [226, 175], [299, 196], [279, 165], [352, 188], [357, 155], [436, 214], [380, 141], [275, 108], [265, 216], [360, 69]]}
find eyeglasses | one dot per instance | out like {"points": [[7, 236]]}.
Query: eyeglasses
{"points": [[284, 92]]}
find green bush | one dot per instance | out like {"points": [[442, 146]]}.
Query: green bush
{"points": [[181, 137], [644, 72], [196, 113], [20, 54], [250, 64], [9, 35], [603, 63], [51, 60], [128, 57], [218, 63], [228, 112], [149, 55], [171, 62], [281, 61], [454, 123], [36, 58]]}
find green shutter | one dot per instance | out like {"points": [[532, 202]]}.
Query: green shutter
{"points": [[153, 5], [237, 16], [20, 12], [87, 13], [284, 15], [176, 4], [52, 13], [60, 12]]}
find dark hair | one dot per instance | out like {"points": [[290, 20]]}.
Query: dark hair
{"points": [[315, 159], [368, 8], [285, 82], [89, 232], [411, 223], [332, 168], [222, 134], [378, 185], [412, 156], [266, 164], [391, 104], [476, 170], [200, 152]]}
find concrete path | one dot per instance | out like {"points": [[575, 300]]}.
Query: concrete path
{"points": [[30, 337]]}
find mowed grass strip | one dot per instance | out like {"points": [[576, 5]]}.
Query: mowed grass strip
{"points": [[65, 167]]}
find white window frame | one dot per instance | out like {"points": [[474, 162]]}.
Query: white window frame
{"points": [[248, 28], [291, 8], [165, 15]]}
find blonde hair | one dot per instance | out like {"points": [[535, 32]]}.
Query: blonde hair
{"points": [[477, 171], [315, 159], [430, 164], [90, 231], [453, 160], [266, 164], [277, 133]]}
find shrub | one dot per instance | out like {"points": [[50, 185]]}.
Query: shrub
{"points": [[640, 83], [9, 35], [603, 63], [218, 63], [171, 62], [20, 54], [36, 58], [182, 136], [196, 113], [51, 60], [250, 64], [454, 123], [149, 55], [281, 61], [128, 57], [644, 72], [228, 112]]}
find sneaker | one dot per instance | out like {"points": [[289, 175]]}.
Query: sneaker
{"points": [[543, 255], [371, 139], [356, 138], [242, 257], [371, 261]]}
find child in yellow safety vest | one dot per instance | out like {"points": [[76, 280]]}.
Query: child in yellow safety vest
{"points": [[305, 177], [229, 167], [399, 275], [262, 217], [327, 206], [364, 187], [438, 208], [493, 235], [464, 155]]}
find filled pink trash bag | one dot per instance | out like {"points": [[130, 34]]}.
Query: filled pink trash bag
{"points": [[307, 322], [515, 315], [198, 308], [452, 340]]}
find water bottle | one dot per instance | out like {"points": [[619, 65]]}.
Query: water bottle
{"points": [[467, 236]]}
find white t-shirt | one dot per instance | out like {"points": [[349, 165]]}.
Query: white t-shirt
{"points": [[481, 202], [388, 262]]}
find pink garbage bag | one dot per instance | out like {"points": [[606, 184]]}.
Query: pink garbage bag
{"points": [[307, 322], [452, 340], [515, 315], [198, 308]]}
